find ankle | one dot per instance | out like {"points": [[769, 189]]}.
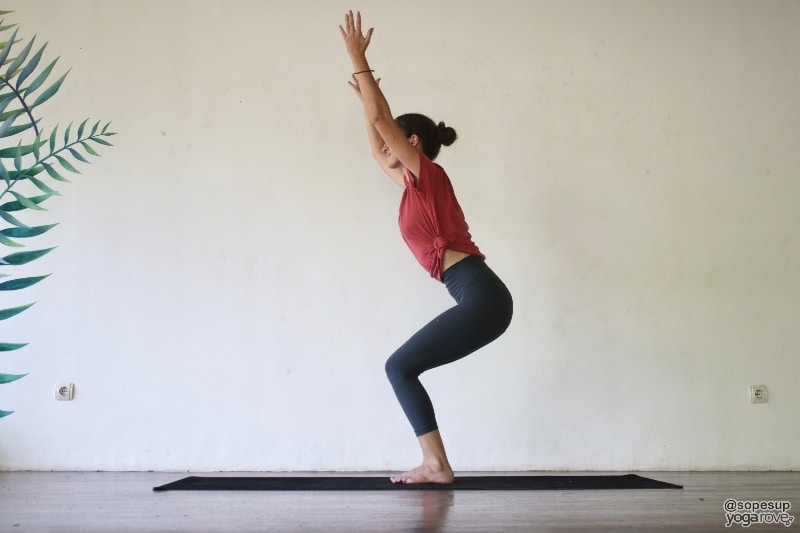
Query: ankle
{"points": [[436, 464]]}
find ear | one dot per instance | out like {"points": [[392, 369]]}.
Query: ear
{"points": [[414, 140]]}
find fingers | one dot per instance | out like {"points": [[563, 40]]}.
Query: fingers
{"points": [[352, 29], [356, 88], [355, 84], [353, 23]]}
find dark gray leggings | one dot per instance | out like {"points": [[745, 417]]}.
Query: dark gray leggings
{"points": [[482, 313]]}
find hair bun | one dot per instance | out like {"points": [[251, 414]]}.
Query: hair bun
{"points": [[447, 135]]}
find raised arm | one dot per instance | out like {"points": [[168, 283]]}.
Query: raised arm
{"points": [[376, 141], [376, 108]]}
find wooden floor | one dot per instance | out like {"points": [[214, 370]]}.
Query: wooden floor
{"points": [[116, 502]]}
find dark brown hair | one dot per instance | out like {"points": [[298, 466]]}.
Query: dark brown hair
{"points": [[431, 135]]}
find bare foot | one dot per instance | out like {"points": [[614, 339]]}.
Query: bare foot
{"points": [[426, 473]]}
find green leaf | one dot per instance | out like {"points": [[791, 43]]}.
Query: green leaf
{"points": [[12, 220], [21, 258], [16, 130], [7, 123], [19, 60], [42, 186], [26, 202], [53, 174], [13, 311], [89, 149], [23, 233], [66, 164], [7, 48], [77, 155], [21, 283], [98, 140], [80, 128], [94, 128], [11, 346], [17, 206], [36, 145], [25, 173], [23, 150], [66, 134], [5, 413], [49, 92], [6, 99], [5, 114], [4, 173], [31, 66], [40, 78], [8, 242], [8, 378], [53, 139], [18, 157]]}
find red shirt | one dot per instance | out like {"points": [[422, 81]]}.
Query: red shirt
{"points": [[431, 221]]}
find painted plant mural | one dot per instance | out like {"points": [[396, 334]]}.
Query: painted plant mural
{"points": [[32, 162]]}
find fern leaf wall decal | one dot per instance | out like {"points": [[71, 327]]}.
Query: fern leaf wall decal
{"points": [[28, 152]]}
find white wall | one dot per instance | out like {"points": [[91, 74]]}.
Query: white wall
{"points": [[229, 277]]}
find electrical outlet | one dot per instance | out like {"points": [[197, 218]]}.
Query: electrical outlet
{"points": [[759, 394], [65, 391]]}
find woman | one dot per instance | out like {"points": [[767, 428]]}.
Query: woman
{"points": [[434, 228]]}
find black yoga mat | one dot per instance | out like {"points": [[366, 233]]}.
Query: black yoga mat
{"points": [[557, 482]]}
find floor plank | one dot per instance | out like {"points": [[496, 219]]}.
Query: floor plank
{"points": [[114, 501]]}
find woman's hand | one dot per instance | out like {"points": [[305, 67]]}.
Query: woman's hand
{"points": [[357, 88], [355, 41]]}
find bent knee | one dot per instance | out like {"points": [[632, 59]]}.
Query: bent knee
{"points": [[398, 368], [392, 368]]}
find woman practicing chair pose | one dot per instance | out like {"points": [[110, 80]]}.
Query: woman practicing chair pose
{"points": [[434, 228]]}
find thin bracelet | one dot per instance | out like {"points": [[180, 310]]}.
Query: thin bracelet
{"points": [[362, 72]]}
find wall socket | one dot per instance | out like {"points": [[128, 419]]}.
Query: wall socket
{"points": [[65, 391], [759, 394]]}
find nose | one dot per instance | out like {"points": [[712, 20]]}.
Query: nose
{"points": [[385, 149]]}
